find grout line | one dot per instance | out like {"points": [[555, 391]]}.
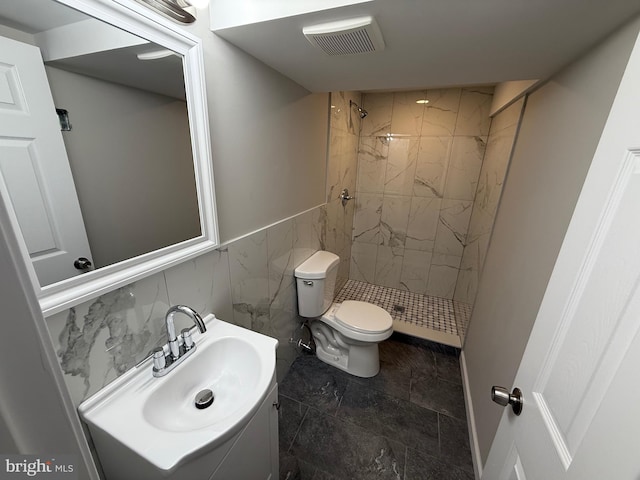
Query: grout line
{"points": [[291, 398], [452, 382], [299, 427], [439, 438], [335, 414], [406, 458]]}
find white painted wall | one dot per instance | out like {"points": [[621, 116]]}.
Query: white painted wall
{"points": [[7, 442], [268, 137], [83, 38], [130, 154], [562, 124], [18, 35], [36, 414], [507, 93]]}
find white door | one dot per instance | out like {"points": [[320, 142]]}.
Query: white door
{"points": [[580, 373], [35, 177]]}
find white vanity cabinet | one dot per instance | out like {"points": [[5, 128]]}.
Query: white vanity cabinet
{"points": [[149, 428], [255, 453], [251, 454]]}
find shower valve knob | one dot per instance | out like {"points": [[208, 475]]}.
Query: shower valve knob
{"points": [[345, 194], [345, 197]]}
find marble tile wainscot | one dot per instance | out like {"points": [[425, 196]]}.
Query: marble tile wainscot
{"points": [[248, 282]]}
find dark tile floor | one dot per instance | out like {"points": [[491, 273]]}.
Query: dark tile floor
{"points": [[406, 423]]}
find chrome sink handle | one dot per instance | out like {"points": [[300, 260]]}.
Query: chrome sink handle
{"points": [[171, 329], [178, 351]]}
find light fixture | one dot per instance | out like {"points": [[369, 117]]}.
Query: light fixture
{"points": [[423, 101], [156, 54], [199, 4], [181, 11]]}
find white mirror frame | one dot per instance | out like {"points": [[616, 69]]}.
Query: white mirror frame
{"points": [[134, 18]]}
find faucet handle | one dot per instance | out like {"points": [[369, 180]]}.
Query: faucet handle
{"points": [[187, 339], [159, 360]]}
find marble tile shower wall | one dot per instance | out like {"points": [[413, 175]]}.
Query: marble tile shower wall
{"points": [[494, 168], [418, 169], [248, 282], [344, 131]]}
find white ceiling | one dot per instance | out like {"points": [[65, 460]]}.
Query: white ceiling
{"points": [[121, 66], [435, 43], [118, 65], [37, 16]]}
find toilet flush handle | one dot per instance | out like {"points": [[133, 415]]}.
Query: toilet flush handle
{"points": [[308, 283]]}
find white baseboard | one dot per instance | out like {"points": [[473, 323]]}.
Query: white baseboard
{"points": [[471, 422]]}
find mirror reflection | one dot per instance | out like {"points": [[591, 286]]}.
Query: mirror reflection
{"points": [[95, 147]]}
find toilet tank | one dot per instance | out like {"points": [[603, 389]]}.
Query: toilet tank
{"points": [[316, 282]]}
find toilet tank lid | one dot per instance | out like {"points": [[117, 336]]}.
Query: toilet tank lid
{"points": [[317, 265]]}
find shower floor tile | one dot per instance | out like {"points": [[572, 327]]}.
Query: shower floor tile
{"points": [[432, 313]]}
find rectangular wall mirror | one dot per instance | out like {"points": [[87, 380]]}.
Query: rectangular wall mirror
{"points": [[105, 156]]}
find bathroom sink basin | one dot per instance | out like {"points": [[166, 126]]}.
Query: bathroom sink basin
{"points": [[229, 367], [157, 419]]}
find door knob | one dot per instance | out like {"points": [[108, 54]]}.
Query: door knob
{"points": [[501, 396], [82, 263]]}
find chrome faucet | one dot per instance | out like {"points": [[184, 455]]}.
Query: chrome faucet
{"points": [[179, 347]]}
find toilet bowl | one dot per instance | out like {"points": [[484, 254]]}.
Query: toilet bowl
{"points": [[346, 334]]}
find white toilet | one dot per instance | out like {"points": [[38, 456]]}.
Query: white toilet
{"points": [[346, 334]]}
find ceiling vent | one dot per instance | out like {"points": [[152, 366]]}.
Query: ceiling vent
{"points": [[346, 37]]}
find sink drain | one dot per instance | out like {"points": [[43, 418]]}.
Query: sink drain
{"points": [[204, 399]]}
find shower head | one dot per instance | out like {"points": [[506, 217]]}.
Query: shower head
{"points": [[363, 113]]}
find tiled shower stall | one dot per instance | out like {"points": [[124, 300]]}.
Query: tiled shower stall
{"points": [[428, 173]]}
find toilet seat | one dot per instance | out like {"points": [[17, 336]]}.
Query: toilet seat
{"points": [[366, 335], [363, 317]]}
